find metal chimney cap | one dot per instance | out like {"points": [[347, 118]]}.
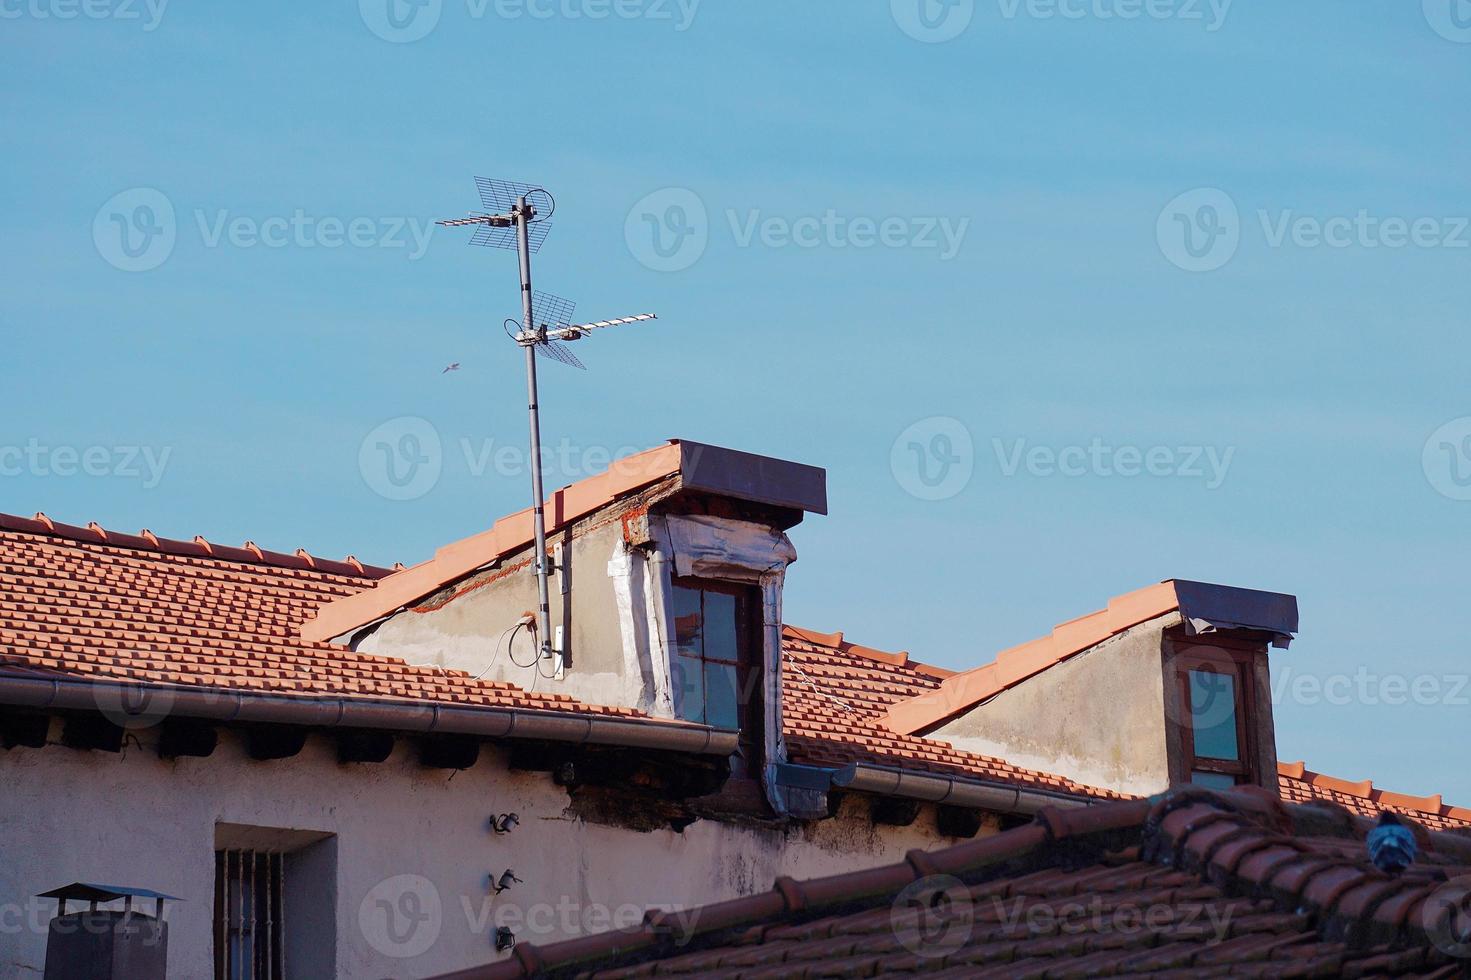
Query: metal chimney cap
{"points": [[87, 892]]}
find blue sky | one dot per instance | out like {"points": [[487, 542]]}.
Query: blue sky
{"points": [[1066, 303]]}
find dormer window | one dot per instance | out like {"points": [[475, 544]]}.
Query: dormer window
{"points": [[1215, 692], [716, 669]]}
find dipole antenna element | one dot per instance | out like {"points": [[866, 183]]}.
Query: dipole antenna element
{"points": [[516, 216]]}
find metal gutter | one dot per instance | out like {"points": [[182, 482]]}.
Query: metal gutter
{"points": [[240, 707], [950, 790]]}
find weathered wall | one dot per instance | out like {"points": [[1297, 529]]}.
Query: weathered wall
{"points": [[133, 819], [613, 609], [467, 632], [1098, 718]]}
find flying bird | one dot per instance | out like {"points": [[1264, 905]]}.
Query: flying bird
{"points": [[1391, 844], [453, 367]]}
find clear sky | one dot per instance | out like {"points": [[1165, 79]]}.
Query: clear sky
{"points": [[1068, 296]]}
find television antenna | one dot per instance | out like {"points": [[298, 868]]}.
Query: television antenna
{"points": [[516, 215]]}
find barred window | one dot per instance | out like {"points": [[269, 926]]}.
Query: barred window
{"points": [[249, 931]]}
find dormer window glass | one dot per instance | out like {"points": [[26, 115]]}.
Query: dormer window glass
{"points": [[717, 658], [1215, 695]]}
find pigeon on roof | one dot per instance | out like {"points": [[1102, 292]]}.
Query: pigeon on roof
{"points": [[1391, 844]]}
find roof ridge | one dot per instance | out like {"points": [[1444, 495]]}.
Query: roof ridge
{"points": [[836, 641], [505, 537], [146, 540], [1366, 790], [1015, 664], [1232, 607]]}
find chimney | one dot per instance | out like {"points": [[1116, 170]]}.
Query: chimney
{"points": [[106, 944]]}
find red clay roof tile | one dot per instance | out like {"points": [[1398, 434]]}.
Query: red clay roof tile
{"points": [[88, 602], [507, 536], [98, 603], [1056, 898], [1298, 784], [834, 695]]}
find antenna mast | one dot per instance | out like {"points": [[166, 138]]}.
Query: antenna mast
{"points": [[541, 559], [515, 218]]}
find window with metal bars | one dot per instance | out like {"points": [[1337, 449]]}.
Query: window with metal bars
{"points": [[249, 933]]}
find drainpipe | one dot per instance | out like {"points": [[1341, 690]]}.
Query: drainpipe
{"points": [[227, 706], [661, 603], [773, 742]]}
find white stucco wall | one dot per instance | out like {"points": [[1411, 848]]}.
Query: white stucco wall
{"points": [[134, 819]]}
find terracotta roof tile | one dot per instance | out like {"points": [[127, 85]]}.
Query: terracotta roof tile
{"points": [[507, 536], [1300, 785], [834, 695], [102, 604], [1271, 612], [1061, 898], [98, 604]]}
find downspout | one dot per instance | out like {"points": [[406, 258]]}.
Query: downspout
{"points": [[226, 706], [774, 742], [660, 591]]}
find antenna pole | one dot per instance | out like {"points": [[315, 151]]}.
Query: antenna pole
{"points": [[531, 333]]}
